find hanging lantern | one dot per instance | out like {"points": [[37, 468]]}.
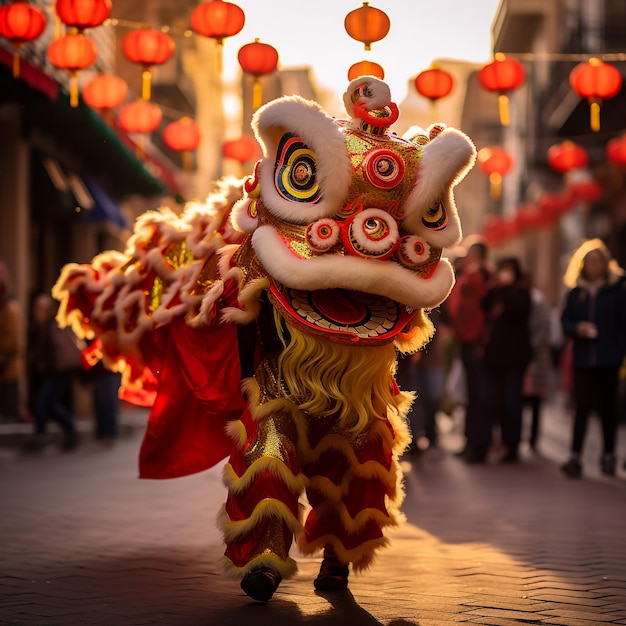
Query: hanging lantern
{"points": [[498, 230], [586, 190], [567, 156], [366, 68], [502, 76], [82, 14], [257, 59], [19, 23], [140, 117], [72, 52], [243, 149], [553, 205], [434, 83], [148, 47], [496, 162], [367, 25], [182, 136], [596, 81], [105, 91], [217, 20], [616, 150]]}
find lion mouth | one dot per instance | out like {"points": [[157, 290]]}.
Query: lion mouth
{"points": [[342, 314]]}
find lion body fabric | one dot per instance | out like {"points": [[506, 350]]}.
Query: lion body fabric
{"points": [[263, 326]]}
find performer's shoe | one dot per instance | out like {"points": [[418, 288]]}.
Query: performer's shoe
{"points": [[333, 575], [260, 583]]}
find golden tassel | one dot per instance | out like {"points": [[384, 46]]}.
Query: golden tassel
{"points": [[146, 84], [16, 64], [257, 93], [220, 57], [594, 112], [503, 107], [495, 185], [73, 89]]}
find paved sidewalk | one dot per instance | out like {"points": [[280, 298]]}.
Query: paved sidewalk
{"points": [[83, 541]]}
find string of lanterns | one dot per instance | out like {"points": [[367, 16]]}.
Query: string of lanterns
{"points": [[593, 79]]}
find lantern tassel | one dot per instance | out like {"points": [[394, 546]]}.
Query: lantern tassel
{"points": [[594, 112], [220, 57], [495, 185], [257, 93], [146, 79], [16, 64], [187, 158], [503, 107], [73, 90]]}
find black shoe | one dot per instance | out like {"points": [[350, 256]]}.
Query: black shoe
{"points": [[260, 583], [573, 468], [70, 440], [472, 457], [333, 575], [510, 457], [607, 465]]}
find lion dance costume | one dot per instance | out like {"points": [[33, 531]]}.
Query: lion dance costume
{"points": [[263, 326]]}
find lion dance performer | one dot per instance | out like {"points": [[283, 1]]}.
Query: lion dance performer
{"points": [[263, 327]]}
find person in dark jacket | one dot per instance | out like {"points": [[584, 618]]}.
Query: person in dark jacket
{"points": [[507, 352], [594, 318]]}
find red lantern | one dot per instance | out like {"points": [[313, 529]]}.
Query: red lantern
{"points": [[502, 75], [496, 162], [20, 22], [366, 68], [83, 14], [596, 81], [257, 59], [148, 47], [616, 150], [217, 20], [73, 52], [530, 217], [553, 204], [567, 156], [140, 117], [105, 92], [434, 83], [243, 149], [588, 190], [367, 25], [182, 136], [498, 230]]}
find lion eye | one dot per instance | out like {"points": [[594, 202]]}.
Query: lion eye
{"points": [[436, 217], [295, 173]]}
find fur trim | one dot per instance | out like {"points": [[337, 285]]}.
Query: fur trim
{"points": [[238, 484], [286, 568], [236, 430], [249, 298], [319, 132], [265, 508], [331, 271], [361, 557], [445, 161], [240, 219]]}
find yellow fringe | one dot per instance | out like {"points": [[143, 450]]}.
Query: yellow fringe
{"points": [[361, 557], [354, 524], [287, 568], [236, 430], [238, 484], [417, 334], [323, 378], [265, 508]]}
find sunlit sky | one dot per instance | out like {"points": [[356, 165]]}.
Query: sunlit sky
{"points": [[313, 34]]}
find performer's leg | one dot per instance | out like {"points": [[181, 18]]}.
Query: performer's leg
{"points": [[261, 516]]}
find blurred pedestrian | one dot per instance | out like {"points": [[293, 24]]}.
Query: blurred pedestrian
{"points": [[106, 402], [538, 378], [11, 349], [467, 319], [424, 373], [594, 317], [507, 352], [54, 359]]}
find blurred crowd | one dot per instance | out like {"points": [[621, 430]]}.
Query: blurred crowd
{"points": [[501, 350], [40, 367]]}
